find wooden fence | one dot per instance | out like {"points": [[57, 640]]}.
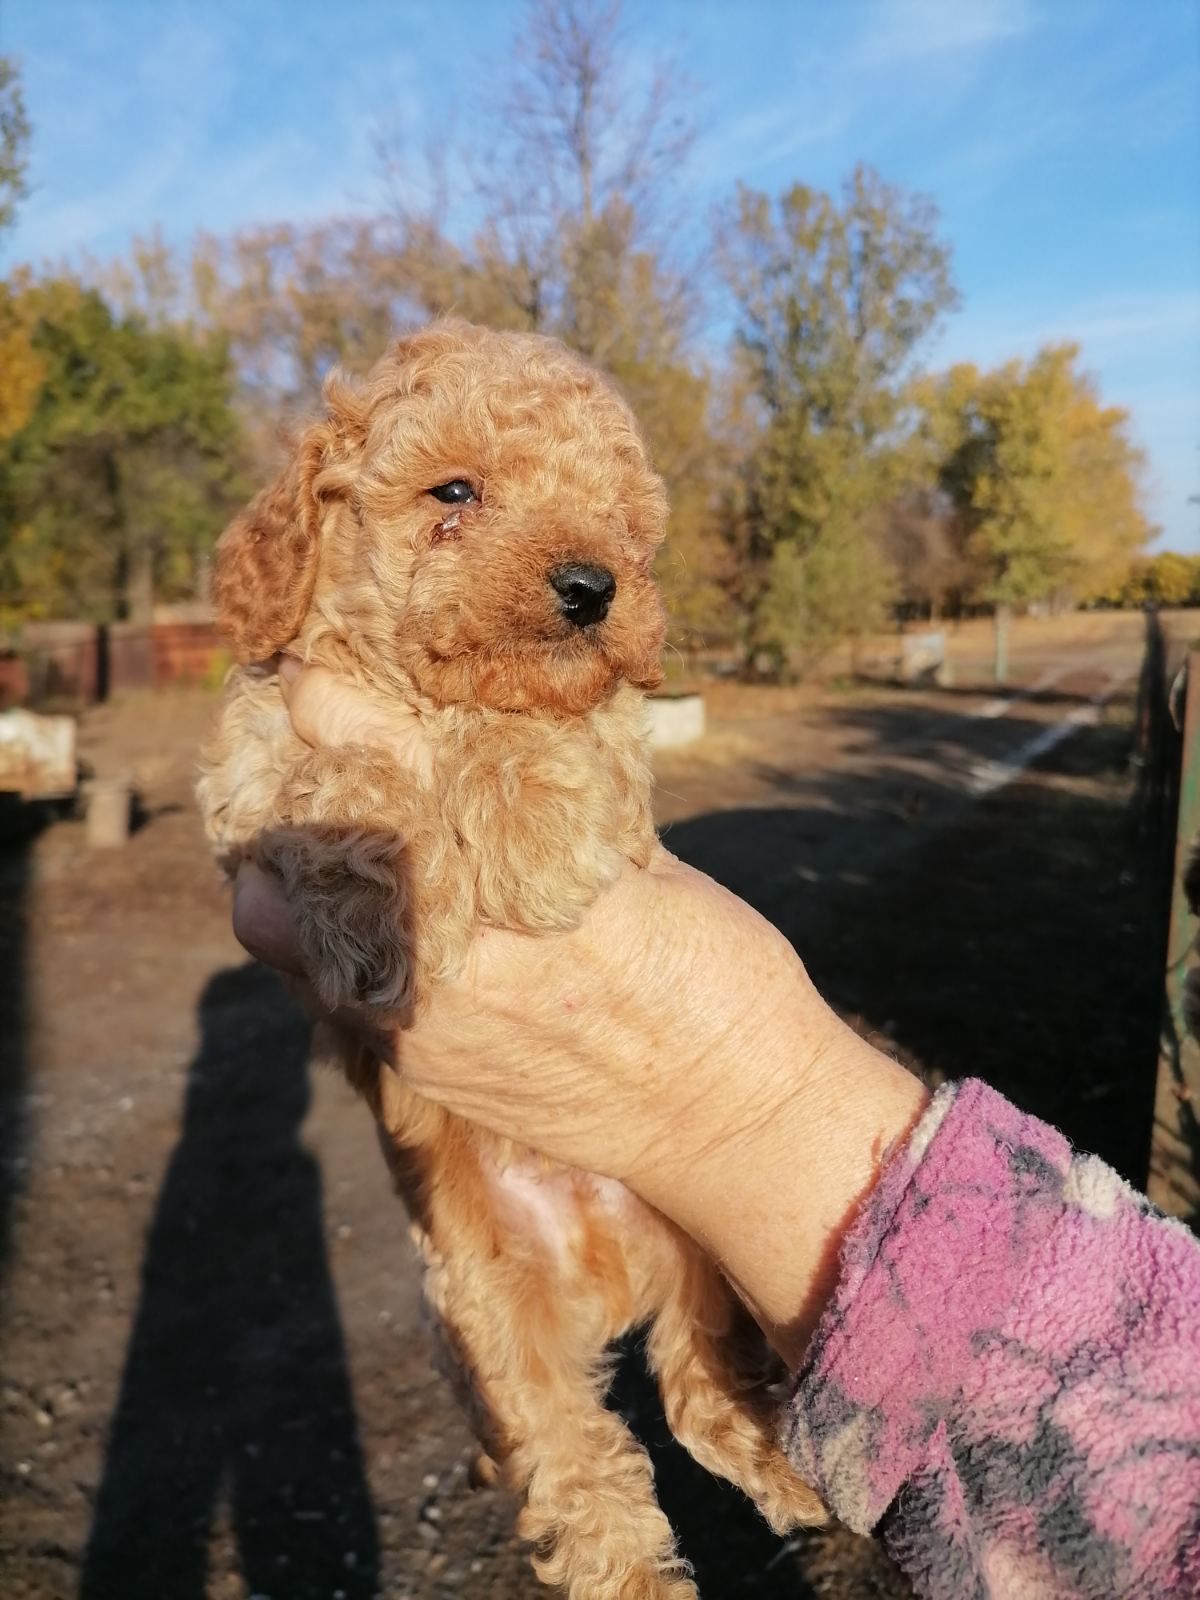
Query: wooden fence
{"points": [[80, 663]]}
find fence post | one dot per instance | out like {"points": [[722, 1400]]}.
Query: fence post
{"points": [[1174, 1183]]}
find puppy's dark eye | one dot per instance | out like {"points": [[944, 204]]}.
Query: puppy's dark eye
{"points": [[458, 492]]}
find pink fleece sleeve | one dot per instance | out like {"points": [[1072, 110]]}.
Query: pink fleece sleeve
{"points": [[1007, 1383]]}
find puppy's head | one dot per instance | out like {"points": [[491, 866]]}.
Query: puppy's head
{"points": [[479, 516]]}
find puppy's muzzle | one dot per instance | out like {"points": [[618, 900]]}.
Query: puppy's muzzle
{"points": [[584, 592]]}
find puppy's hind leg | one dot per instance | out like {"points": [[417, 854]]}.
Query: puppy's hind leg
{"points": [[715, 1405], [536, 1364]]}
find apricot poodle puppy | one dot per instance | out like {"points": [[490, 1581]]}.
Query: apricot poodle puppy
{"points": [[471, 531]]}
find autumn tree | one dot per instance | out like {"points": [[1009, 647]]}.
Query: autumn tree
{"points": [[561, 232], [118, 439], [1171, 579], [572, 183], [834, 297], [20, 364], [1165, 579], [291, 302], [125, 469], [1045, 478]]}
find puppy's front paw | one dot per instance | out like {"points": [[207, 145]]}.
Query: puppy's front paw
{"points": [[349, 894], [785, 1500], [649, 1582]]}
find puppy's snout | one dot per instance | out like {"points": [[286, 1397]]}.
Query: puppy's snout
{"points": [[584, 592]]}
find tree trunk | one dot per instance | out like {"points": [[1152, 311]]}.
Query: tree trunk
{"points": [[202, 580], [1001, 619], [139, 585]]}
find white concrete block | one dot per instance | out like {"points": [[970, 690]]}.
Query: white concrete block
{"points": [[675, 719]]}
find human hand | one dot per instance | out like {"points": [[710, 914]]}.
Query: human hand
{"points": [[673, 1041]]}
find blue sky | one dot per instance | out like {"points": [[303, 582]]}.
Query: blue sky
{"points": [[1060, 139]]}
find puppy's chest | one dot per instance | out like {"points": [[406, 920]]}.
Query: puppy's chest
{"points": [[553, 1211], [540, 818]]}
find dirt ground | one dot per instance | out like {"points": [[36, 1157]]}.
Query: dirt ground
{"points": [[215, 1376]]}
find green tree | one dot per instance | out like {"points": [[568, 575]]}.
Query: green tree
{"points": [[1171, 579], [14, 142], [1045, 479], [834, 299], [125, 469]]}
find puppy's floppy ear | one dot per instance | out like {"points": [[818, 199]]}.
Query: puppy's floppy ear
{"points": [[267, 557], [645, 670], [266, 561]]}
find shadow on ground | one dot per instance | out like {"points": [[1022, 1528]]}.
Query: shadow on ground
{"points": [[1017, 939], [235, 1385], [18, 828]]}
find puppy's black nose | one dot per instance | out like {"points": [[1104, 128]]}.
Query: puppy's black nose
{"points": [[584, 592]]}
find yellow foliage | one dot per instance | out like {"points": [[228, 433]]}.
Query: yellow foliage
{"points": [[20, 363], [1044, 476]]}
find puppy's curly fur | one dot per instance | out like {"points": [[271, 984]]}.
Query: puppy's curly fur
{"points": [[539, 790]]}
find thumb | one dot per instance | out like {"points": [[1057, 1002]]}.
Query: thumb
{"points": [[327, 711]]}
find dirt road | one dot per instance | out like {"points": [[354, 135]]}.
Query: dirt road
{"points": [[215, 1376]]}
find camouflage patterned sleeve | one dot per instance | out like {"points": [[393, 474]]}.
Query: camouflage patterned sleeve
{"points": [[1006, 1385]]}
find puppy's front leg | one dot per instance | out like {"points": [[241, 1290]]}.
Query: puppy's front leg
{"points": [[714, 1406], [379, 895]]}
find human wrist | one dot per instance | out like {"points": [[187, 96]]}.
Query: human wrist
{"points": [[770, 1184]]}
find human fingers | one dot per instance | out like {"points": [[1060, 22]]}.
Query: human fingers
{"points": [[262, 920]]}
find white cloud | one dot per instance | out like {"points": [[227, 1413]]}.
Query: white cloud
{"points": [[770, 133], [909, 30], [52, 229], [831, 88], [1107, 327]]}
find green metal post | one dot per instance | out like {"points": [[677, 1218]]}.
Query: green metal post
{"points": [[1174, 1183], [1000, 661]]}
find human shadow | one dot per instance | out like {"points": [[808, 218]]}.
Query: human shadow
{"points": [[235, 1385], [20, 824]]}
